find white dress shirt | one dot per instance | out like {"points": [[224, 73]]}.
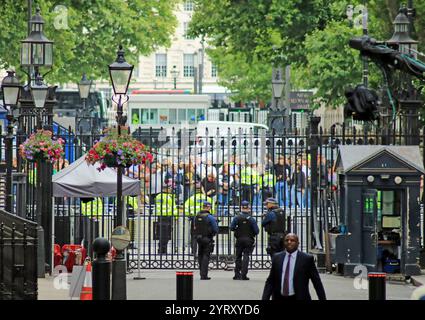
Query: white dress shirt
{"points": [[291, 271]]}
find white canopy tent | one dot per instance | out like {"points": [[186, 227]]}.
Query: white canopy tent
{"points": [[83, 180]]}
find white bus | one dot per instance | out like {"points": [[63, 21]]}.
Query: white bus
{"points": [[166, 109]]}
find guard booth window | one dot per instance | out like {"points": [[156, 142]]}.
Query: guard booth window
{"points": [[368, 211]]}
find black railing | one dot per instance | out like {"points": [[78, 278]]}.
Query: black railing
{"points": [[184, 164], [18, 258]]}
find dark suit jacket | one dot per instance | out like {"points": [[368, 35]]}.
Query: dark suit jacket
{"points": [[304, 270]]}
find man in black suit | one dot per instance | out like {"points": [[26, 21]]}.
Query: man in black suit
{"points": [[289, 281]]}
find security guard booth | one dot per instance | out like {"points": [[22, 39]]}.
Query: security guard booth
{"points": [[379, 209]]}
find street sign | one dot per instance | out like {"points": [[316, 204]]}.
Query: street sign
{"points": [[300, 100]]}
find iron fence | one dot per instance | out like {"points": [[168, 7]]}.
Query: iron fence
{"points": [[18, 263], [229, 168]]}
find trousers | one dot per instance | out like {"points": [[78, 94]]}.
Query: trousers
{"points": [[244, 247]]}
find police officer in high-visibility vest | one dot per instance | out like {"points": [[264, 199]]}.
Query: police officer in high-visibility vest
{"points": [[268, 182], [204, 228], [274, 223], [246, 229], [92, 207], [194, 203], [165, 208], [249, 181]]}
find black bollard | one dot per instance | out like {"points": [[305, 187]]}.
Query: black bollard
{"points": [[184, 285], [101, 270], [377, 285]]}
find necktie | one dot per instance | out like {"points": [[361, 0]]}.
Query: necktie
{"points": [[286, 279]]}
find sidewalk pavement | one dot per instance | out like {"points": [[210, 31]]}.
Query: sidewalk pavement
{"points": [[419, 280], [161, 285]]}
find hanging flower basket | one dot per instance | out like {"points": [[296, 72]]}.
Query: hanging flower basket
{"points": [[41, 146], [118, 151]]}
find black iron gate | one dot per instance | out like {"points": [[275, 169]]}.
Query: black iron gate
{"points": [[295, 167], [18, 258]]}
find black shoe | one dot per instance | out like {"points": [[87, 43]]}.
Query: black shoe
{"points": [[237, 278], [244, 278], [205, 278]]}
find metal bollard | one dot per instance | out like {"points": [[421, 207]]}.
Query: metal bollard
{"points": [[377, 285], [101, 270], [184, 285]]}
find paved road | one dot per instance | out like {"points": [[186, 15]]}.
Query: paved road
{"points": [[161, 285]]}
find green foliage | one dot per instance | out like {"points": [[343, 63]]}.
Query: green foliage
{"points": [[87, 35], [248, 37]]}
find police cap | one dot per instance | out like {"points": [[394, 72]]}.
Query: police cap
{"points": [[270, 200]]}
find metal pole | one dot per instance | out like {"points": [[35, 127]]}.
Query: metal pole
{"points": [[314, 124], [377, 290], [9, 163], [287, 96], [139, 276], [365, 58], [101, 270], [119, 286], [184, 285]]}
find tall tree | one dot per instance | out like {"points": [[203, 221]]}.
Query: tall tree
{"points": [[312, 36], [87, 33]]}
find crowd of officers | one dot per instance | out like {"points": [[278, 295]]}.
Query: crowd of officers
{"points": [[172, 190], [204, 228]]}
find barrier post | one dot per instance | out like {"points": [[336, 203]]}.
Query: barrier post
{"points": [[101, 270], [377, 285], [184, 284]]}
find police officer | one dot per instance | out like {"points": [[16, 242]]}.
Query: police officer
{"points": [[274, 224], [245, 228], [165, 208], [204, 228]]}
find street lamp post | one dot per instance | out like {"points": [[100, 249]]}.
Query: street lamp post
{"points": [[276, 117], [37, 52], [175, 74], [84, 90], [120, 73], [408, 96], [11, 88]]}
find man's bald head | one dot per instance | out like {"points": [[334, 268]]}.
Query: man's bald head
{"points": [[291, 242]]}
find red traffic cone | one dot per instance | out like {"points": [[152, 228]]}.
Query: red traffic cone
{"points": [[87, 289]]}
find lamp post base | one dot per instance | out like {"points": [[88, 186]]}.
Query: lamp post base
{"points": [[119, 281], [41, 261]]}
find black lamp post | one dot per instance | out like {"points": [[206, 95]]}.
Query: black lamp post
{"points": [[11, 88], [36, 53], [175, 73], [36, 49], [84, 90], [275, 114], [120, 72], [408, 96], [39, 95]]}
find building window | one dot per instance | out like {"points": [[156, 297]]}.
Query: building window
{"points": [[188, 5], [213, 70], [160, 65], [185, 29], [188, 65]]}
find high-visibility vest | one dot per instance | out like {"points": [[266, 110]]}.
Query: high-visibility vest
{"points": [[165, 205], [132, 201], [268, 180], [32, 176], [195, 204], [249, 176], [92, 208], [135, 119]]}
